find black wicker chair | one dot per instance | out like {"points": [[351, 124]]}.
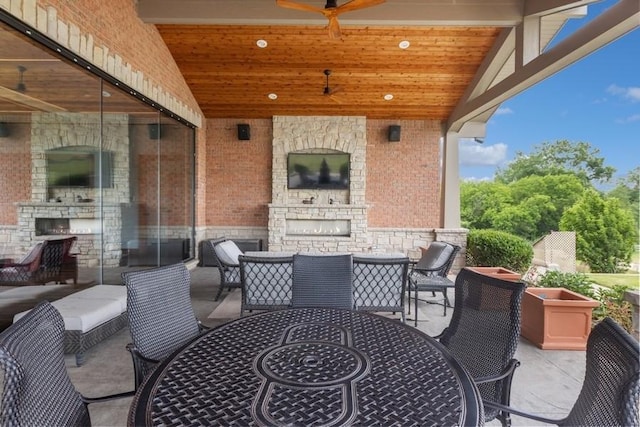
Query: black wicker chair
{"points": [[160, 314], [379, 284], [611, 388], [37, 389], [430, 274], [226, 254], [322, 281], [484, 333], [266, 282]]}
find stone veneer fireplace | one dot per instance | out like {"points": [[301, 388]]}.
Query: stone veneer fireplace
{"points": [[337, 220], [98, 224]]}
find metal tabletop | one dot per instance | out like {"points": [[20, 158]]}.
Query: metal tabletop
{"points": [[309, 367]]}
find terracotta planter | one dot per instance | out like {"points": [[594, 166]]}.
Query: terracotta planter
{"points": [[556, 318], [499, 272]]}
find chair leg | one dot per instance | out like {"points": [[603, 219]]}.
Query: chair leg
{"points": [[219, 292], [415, 300]]}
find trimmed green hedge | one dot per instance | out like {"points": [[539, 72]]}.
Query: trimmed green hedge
{"points": [[493, 248]]}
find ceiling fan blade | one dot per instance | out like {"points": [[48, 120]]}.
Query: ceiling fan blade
{"points": [[334, 27], [357, 4], [289, 4]]}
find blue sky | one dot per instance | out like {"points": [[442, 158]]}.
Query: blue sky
{"points": [[595, 100]]}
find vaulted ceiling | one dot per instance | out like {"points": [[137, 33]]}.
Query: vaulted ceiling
{"points": [[464, 57], [449, 60]]}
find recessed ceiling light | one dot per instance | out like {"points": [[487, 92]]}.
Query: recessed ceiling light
{"points": [[261, 43], [106, 94], [404, 44], [388, 97], [273, 96]]}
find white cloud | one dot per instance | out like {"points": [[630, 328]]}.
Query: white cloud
{"points": [[476, 179], [631, 119], [630, 93], [503, 110], [474, 154]]}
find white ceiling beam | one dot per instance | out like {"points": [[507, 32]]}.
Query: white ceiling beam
{"points": [[392, 12], [547, 7], [620, 19]]}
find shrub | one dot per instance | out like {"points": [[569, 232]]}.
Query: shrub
{"points": [[576, 282], [493, 248], [612, 303]]}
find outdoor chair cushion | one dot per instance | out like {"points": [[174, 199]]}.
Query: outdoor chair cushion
{"points": [[228, 252]]}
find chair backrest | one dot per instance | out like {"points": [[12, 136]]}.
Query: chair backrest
{"points": [[53, 252], [37, 388], [379, 283], [437, 259], [611, 388], [484, 330], [266, 282], [322, 281], [159, 309]]}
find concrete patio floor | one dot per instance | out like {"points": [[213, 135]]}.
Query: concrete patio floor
{"points": [[547, 382]]}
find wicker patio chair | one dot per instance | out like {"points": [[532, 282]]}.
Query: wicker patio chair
{"points": [[160, 314], [266, 282], [322, 281], [484, 333], [611, 388], [37, 389], [48, 261], [226, 254], [430, 274], [379, 284]]}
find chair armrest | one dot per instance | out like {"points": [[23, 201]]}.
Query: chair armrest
{"points": [[508, 370], [107, 398], [514, 411]]}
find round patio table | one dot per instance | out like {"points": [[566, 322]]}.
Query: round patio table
{"points": [[309, 367]]}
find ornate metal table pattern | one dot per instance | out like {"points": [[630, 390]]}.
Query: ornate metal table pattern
{"points": [[309, 367]]}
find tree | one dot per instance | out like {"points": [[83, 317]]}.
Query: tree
{"points": [[560, 157], [476, 200], [547, 197], [628, 192], [605, 232]]}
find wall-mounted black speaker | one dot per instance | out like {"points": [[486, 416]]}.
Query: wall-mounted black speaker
{"points": [[155, 131], [394, 133], [244, 132], [4, 130]]}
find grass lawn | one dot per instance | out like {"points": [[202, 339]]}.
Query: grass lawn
{"points": [[608, 280]]}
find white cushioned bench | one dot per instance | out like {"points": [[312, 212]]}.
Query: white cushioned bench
{"points": [[90, 316]]}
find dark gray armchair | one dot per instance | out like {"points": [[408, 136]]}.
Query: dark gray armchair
{"points": [[266, 282], [226, 254], [430, 274], [161, 318], [611, 388], [322, 281], [37, 389], [484, 333]]}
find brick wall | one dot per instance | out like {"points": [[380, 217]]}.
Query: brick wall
{"points": [[402, 181], [403, 178], [238, 173], [15, 171]]}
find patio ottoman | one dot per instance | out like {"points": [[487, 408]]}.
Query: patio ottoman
{"points": [[90, 316]]}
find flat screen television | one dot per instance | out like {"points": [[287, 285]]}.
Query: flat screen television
{"points": [[318, 171], [79, 168]]}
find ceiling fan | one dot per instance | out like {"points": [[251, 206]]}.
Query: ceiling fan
{"points": [[330, 91], [331, 10]]}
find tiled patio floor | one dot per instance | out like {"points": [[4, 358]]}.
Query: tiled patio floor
{"points": [[547, 382]]}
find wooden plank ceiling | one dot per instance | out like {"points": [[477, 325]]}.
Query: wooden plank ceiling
{"points": [[230, 76]]}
